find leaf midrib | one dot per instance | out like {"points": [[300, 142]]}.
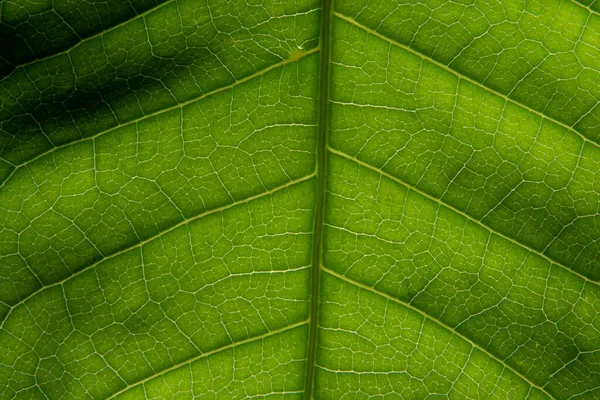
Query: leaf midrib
{"points": [[321, 170]]}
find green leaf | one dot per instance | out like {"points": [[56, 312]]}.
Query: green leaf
{"points": [[291, 199]]}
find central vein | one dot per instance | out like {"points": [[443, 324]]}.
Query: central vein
{"points": [[321, 182]]}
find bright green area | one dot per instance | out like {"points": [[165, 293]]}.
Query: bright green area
{"points": [[195, 202]]}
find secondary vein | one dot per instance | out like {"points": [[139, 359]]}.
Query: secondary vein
{"points": [[463, 214], [141, 243], [207, 354], [181, 105], [466, 78], [441, 324]]}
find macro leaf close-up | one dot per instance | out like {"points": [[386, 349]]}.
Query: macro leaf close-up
{"points": [[300, 199]]}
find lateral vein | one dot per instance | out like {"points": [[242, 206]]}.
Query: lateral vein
{"points": [[207, 354], [156, 236], [465, 77], [438, 322], [462, 213], [165, 110]]}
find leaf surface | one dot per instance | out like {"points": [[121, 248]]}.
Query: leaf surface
{"points": [[295, 199]]}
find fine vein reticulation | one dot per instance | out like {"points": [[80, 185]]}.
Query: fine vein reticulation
{"points": [[300, 199]]}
